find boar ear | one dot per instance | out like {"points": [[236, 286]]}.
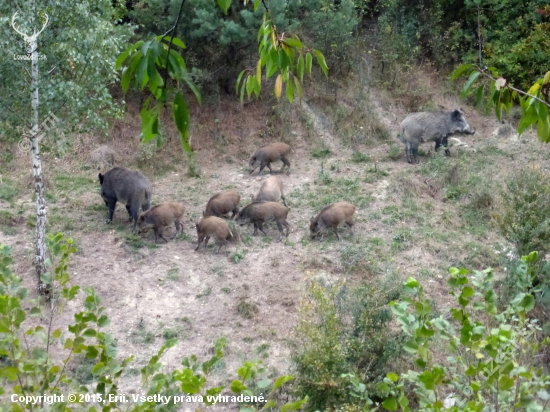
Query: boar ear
{"points": [[100, 178], [312, 217], [456, 114], [203, 213]]}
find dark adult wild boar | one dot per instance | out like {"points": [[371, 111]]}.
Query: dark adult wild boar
{"points": [[128, 187], [271, 190], [213, 226], [272, 152], [161, 216], [261, 212], [431, 127], [221, 204], [330, 217]]}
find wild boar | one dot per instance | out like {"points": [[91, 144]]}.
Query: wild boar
{"points": [[330, 217], [271, 190], [161, 216], [222, 203], [128, 187], [261, 212], [213, 226], [270, 153], [431, 126]]}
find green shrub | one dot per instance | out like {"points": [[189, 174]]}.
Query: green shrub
{"points": [[524, 218], [342, 331]]}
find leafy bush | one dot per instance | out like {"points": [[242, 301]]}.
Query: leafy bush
{"points": [[342, 331], [524, 218], [491, 363]]}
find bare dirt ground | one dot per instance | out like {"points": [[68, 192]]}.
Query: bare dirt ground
{"points": [[155, 292]]}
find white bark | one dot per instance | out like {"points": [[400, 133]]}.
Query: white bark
{"points": [[40, 237]]}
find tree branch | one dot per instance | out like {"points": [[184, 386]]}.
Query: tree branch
{"points": [[482, 71], [173, 29]]}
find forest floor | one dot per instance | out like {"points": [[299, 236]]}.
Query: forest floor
{"points": [[411, 220]]}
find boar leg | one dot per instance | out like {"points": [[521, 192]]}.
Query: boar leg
{"points": [[350, 224], [199, 242], [280, 227], [414, 149], [261, 228], [221, 244], [179, 227], [158, 233], [111, 204], [408, 150], [129, 210], [284, 200], [285, 163], [134, 210], [337, 235], [287, 227]]}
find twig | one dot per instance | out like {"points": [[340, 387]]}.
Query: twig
{"points": [[173, 29], [482, 71]]}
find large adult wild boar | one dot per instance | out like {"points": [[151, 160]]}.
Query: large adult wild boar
{"points": [[272, 152], [260, 212], [221, 204], [161, 216], [128, 187], [213, 226], [431, 127], [271, 190], [330, 217]]}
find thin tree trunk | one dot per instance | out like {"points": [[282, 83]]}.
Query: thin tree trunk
{"points": [[40, 237]]}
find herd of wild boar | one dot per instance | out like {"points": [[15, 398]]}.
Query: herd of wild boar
{"points": [[134, 190]]}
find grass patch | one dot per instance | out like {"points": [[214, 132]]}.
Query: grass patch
{"points": [[395, 152], [173, 274], [238, 255], [359, 157], [206, 292], [320, 152], [74, 184], [247, 309], [7, 191]]}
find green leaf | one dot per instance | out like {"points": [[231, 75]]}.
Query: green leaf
{"points": [[309, 61], [256, 5], [301, 68], [468, 292], [294, 406], [390, 404], [473, 77], [224, 5], [322, 62], [103, 321], [142, 76], [411, 283], [505, 383], [237, 386], [270, 403], [264, 383], [461, 70], [180, 113], [126, 53], [193, 88], [293, 43], [528, 303], [282, 380], [392, 376], [239, 81], [290, 90], [175, 40], [479, 95]]}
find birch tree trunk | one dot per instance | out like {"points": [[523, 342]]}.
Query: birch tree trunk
{"points": [[40, 236]]}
